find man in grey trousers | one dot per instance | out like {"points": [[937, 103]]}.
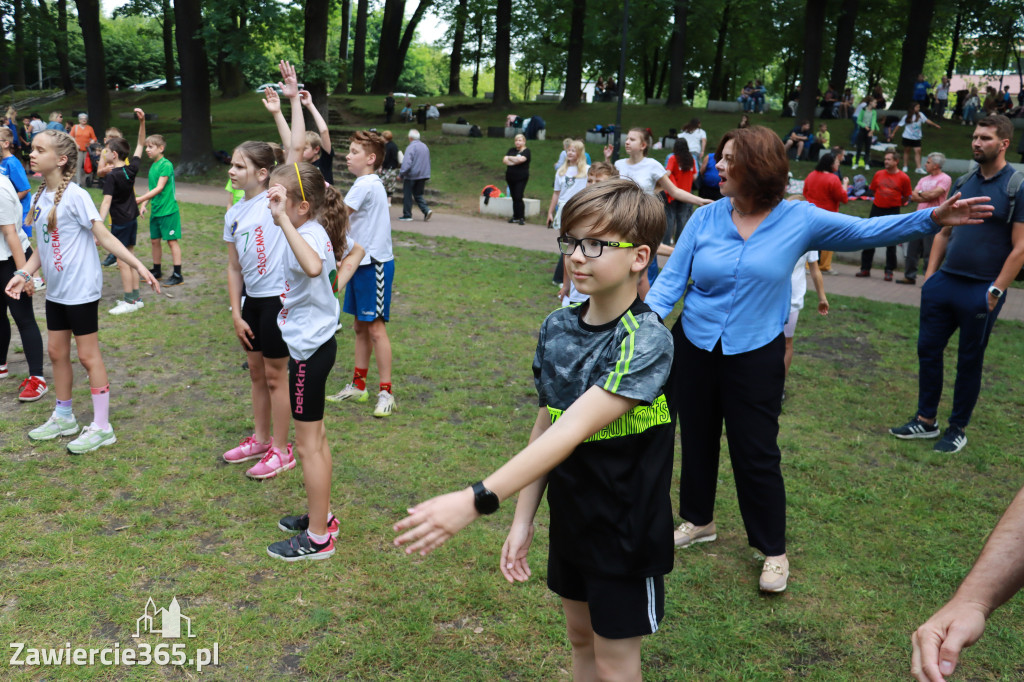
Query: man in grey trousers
{"points": [[414, 173]]}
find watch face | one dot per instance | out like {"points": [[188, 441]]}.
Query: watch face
{"points": [[485, 501]]}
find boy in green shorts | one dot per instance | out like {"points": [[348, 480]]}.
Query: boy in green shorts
{"points": [[165, 220]]}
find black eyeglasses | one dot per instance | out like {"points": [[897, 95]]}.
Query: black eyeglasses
{"points": [[592, 248]]}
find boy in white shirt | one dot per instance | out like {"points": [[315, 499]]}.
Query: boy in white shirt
{"points": [[368, 294]]}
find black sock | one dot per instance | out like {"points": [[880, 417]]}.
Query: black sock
{"points": [[177, 270]]}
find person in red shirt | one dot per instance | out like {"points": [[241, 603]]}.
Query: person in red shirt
{"points": [[824, 189], [681, 171], [892, 190]]}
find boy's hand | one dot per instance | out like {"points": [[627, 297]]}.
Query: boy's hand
{"points": [[271, 101], [431, 523], [147, 277], [140, 114], [142, 207], [513, 553], [243, 331], [290, 86]]}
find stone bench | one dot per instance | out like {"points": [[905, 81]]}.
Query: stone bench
{"points": [[502, 207], [548, 98], [599, 138], [456, 129], [511, 132], [725, 106]]}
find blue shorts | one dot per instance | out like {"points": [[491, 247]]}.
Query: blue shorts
{"points": [[368, 293]]}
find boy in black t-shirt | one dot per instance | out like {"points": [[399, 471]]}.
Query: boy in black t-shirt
{"points": [[601, 443], [119, 201]]}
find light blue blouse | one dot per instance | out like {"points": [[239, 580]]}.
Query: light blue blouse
{"points": [[741, 289]]}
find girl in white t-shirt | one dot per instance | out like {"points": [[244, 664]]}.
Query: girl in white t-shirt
{"points": [[66, 223], [570, 178], [256, 250], [313, 221], [912, 123]]}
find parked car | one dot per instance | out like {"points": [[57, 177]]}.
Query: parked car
{"points": [[400, 95], [261, 88], [146, 85]]}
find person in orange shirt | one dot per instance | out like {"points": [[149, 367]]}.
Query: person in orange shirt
{"points": [[84, 136], [892, 190]]}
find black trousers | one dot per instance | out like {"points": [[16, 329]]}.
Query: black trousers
{"points": [[744, 391], [24, 317], [867, 256], [516, 189]]}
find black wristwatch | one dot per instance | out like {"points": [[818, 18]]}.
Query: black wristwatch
{"points": [[995, 291], [484, 500]]}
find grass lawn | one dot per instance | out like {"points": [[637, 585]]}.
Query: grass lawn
{"points": [[880, 531]]}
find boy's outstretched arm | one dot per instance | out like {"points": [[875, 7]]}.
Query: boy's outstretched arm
{"points": [[431, 523]]}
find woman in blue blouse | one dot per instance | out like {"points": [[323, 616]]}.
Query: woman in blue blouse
{"points": [[729, 347]]}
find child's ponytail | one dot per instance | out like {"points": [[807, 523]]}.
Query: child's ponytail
{"points": [[334, 218]]}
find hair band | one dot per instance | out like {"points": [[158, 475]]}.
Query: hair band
{"points": [[302, 191]]}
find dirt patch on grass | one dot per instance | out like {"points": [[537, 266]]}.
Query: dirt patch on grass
{"points": [[853, 353]]}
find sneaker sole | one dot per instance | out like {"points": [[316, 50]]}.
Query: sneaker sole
{"points": [[334, 534], [56, 435], [244, 459], [275, 472], [774, 590], [113, 439], [949, 452], [382, 415], [703, 538], [915, 436], [305, 557], [33, 399], [336, 399]]}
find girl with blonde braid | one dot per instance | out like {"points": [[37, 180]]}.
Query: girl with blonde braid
{"points": [[66, 222]]}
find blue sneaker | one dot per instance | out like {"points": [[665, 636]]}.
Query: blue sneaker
{"points": [[953, 440], [915, 428]]}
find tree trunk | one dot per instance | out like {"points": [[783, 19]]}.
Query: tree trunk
{"points": [[814, 33], [346, 20], [663, 72], [197, 143], [403, 47], [5, 67], [543, 80], [845, 25], [359, 49], [574, 62], [60, 40], [229, 72], [314, 53], [502, 53], [957, 30], [479, 52], [455, 63], [387, 53], [167, 31], [919, 29], [19, 44], [715, 91], [97, 96], [677, 55]]}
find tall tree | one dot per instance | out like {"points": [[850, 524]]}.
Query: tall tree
{"points": [[717, 89], [458, 38], [19, 43], [97, 96], [58, 33], [390, 61], [919, 30], [229, 19], [167, 35], [5, 71], [314, 53], [574, 65], [958, 24], [359, 49], [197, 145], [677, 55], [845, 25], [814, 33], [346, 22], [502, 53]]}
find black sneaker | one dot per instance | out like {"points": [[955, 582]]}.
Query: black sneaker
{"points": [[156, 272], [953, 440], [915, 428], [294, 524], [173, 280], [109, 260], [301, 547]]}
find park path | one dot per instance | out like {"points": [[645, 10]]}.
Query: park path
{"points": [[538, 238]]}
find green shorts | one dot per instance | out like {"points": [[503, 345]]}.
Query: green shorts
{"points": [[166, 227]]}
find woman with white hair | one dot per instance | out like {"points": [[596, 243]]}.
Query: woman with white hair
{"points": [[84, 136], [931, 191]]}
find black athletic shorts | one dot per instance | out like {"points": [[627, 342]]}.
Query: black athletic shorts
{"points": [[81, 319], [261, 316], [307, 382], [619, 607], [127, 234], [910, 143]]}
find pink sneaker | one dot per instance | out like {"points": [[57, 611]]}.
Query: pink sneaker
{"points": [[248, 448], [273, 463]]}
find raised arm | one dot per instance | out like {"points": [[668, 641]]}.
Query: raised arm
{"points": [[273, 104], [325, 137], [290, 89], [141, 143]]}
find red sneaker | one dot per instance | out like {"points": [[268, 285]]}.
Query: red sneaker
{"points": [[32, 389]]}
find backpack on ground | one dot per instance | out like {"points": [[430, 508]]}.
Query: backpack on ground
{"points": [[488, 192]]}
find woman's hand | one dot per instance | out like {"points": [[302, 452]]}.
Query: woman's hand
{"points": [[957, 211], [513, 553], [271, 101], [429, 524]]}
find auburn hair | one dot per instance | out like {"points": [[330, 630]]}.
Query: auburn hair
{"points": [[758, 165], [372, 143]]}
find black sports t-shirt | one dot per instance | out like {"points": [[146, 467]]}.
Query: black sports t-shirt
{"points": [[120, 185], [325, 163], [611, 513]]}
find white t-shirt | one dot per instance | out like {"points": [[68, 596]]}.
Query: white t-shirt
{"points": [[71, 264], [912, 131], [570, 184], [645, 173], [260, 245], [693, 139], [10, 214], [799, 281], [370, 224], [309, 312]]}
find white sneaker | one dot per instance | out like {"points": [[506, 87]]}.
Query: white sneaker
{"points": [[123, 307], [139, 305], [349, 394], [920, 171], [38, 283], [904, 169], [385, 405]]}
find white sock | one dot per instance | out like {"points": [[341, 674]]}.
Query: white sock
{"points": [[318, 539]]}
